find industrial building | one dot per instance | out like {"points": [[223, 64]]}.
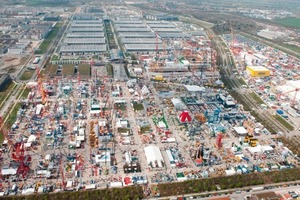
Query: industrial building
{"points": [[137, 35], [86, 29], [257, 71], [143, 47], [5, 79], [141, 41], [73, 41], [82, 49], [84, 36], [87, 22]]}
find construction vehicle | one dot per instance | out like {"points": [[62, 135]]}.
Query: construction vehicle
{"points": [[158, 78], [253, 142], [248, 138]]}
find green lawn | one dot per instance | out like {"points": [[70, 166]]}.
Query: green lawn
{"points": [[51, 70], [13, 115], [256, 98], [123, 130], [138, 106], [84, 69], [25, 93], [55, 57], [284, 122], [292, 22], [110, 70], [241, 81], [27, 74], [46, 42], [145, 129], [68, 70]]}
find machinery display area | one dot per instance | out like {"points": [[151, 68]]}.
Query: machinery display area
{"points": [[140, 103]]}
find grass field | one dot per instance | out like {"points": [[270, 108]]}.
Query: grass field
{"points": [[256, 98], [284, 122], [46, 42], [13, 115], [50, 70], [6, 91], [84, 69], [292, 22], [68, 70], [138, 106], [25, 93], [27, 74], [110, 70]]}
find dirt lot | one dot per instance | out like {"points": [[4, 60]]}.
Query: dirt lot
{"points": [[12, 63]]}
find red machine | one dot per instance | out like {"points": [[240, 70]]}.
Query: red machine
{"points": [[219, 140], [21, 159]]}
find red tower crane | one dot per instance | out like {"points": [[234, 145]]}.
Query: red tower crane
{"points": [[19, 156], [296, 90]]}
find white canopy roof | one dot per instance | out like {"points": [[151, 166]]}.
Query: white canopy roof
{"points": [[9, 171], [153, 155], [240, 130], [194, 88]]}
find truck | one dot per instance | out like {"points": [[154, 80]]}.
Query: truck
{"points": [[257, 188], [36, 60], [158, 78]]}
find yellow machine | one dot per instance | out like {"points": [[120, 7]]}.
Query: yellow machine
{"points": [[250, 140]]}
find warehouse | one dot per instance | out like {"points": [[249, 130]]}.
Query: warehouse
{"points": [[86, 25], [173, 35], [82, 49], [140, 41], [133, 29], [72, 41], [85, 35], [87, 22], [137, 35], [257, 71], [131, 26], [143, 47], [169, 25], [86, 29], [128, 22]]}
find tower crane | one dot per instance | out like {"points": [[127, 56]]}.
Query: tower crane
{"points": [[296, 90]]}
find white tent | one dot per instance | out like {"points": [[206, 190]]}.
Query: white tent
{"points": [[266, 148], [240, 130], [145, 90], [9, 171], [256, 149], [31, 138], [116, 184], [153, 155]]}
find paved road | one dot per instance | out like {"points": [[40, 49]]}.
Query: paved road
{"points": [[119, 72]]}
